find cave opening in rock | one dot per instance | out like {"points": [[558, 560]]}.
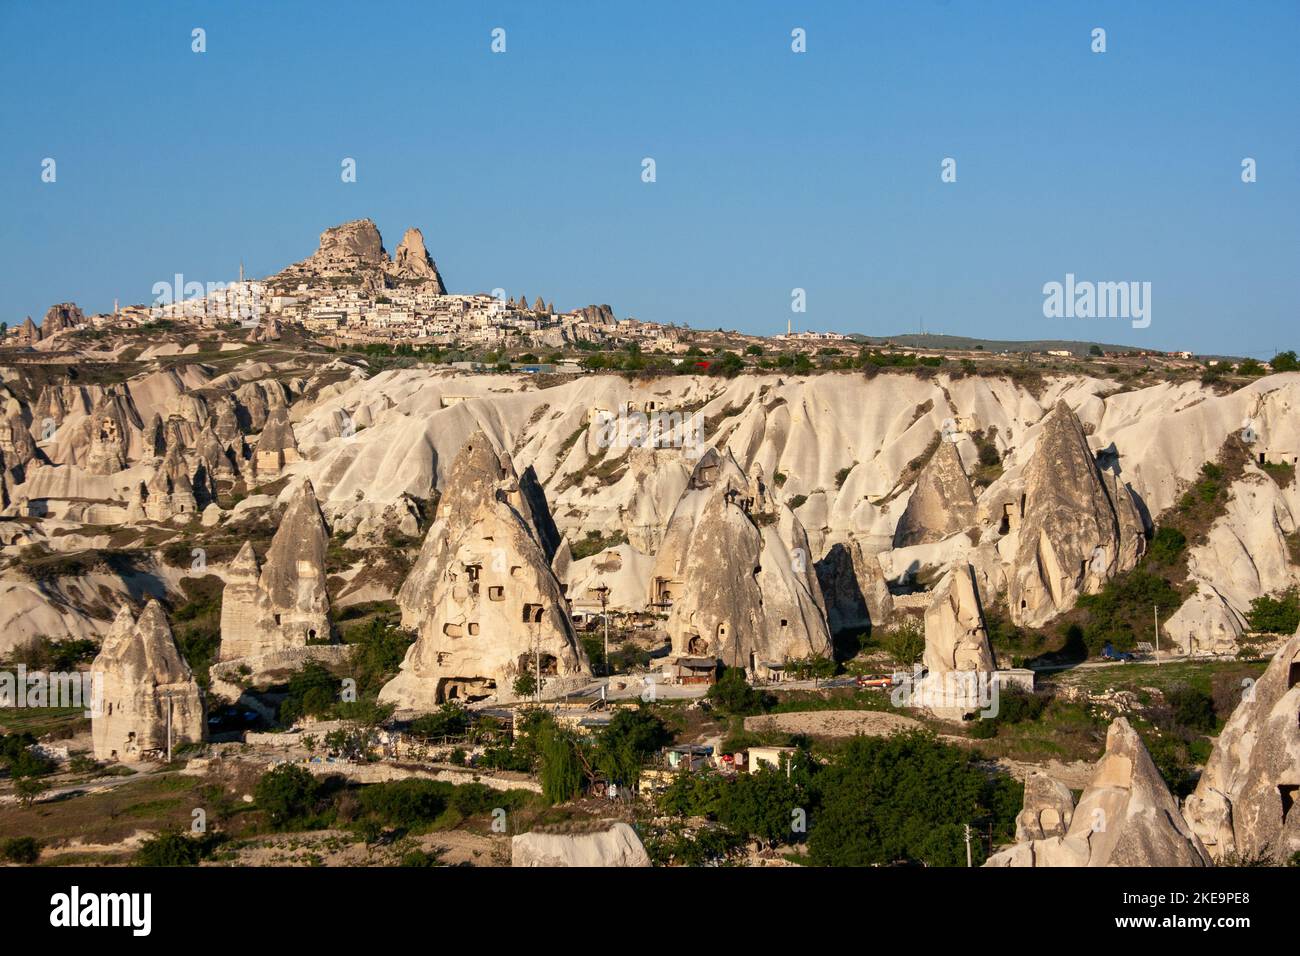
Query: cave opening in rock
{"points": [[1287, 792]]}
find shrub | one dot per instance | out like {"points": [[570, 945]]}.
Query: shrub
{"points": [[288, 794], [1192, 708], [905, 641], [174, 849], [450, 720], [1275, 615], [1167, 545], [732, 694], [20, 850]]}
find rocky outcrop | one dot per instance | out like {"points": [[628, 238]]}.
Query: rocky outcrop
{"points": [[170, 491], [956, 639], [1125, 817], [355, 251], [63, 317], [482, 597], [17, 449], [1072, 536], [1246, 806], [736, 568], [145, 686], [617, 846], [942, 502], [276, 447], [1048, 809], [283, 602], [109, 434], [412, 261], [853, 586]]}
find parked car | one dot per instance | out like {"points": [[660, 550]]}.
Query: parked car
{"points": [[878, 681]]}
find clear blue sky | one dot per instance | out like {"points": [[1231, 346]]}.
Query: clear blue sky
{"points": [[775, 170]]}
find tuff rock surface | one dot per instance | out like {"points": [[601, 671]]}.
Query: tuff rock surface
{"points": [[143, 676], [1247, 803], [1125, 817]]}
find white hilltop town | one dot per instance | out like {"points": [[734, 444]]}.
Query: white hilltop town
{"points": [[374, 574]]}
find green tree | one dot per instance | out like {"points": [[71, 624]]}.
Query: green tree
{"points": [[732, 694], [630, 738], [1275, 615], [1285, 362], [561, 767], [906, 797], [287, 793], [23, 849]]}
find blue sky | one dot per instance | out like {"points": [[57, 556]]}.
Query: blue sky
{"points": [[775, 170]]}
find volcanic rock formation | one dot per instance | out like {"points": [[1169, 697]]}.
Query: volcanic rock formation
{"points": [[145, 688], [1247, 803], [412, 261], [942, 503], [1076, 530], [482, 597], [736, 569], [617, 846], [1125, 817], [283, 602]]}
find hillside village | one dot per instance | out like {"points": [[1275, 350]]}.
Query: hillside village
{"points": [[362, 572]]}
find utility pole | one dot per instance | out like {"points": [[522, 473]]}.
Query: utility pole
{"points": [[169, 728], [969, 861], [1157, 620], [604, 616], [537, 665]]}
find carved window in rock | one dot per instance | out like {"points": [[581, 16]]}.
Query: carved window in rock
{"points": [[496, 593], [516, 570], [453, 630], [696, 645], [1010, 518], [473, 628], [784, 622], [532, 613], [1287, 793], [1293, 674]]}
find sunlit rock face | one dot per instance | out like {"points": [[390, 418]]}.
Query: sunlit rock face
{"points": [[143, 677], [736, 568], [1247, 803], [1076, 529], [942, 502], [482, 598], [281, 603], [1125, 817]]}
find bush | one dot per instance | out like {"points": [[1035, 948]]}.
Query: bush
{"points": [[907, 798], [732, 694], [20, 850], [288, 794], [450, 720], [1192, 708], [312, 691], [422, 858], [406, 803], [1167, 545], [174, 849], [1285, 362], [625, 744], [561, 769], [905, 641], [1279, 615]]}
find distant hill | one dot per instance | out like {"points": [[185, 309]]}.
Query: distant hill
{"points": [[933, 341]]}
